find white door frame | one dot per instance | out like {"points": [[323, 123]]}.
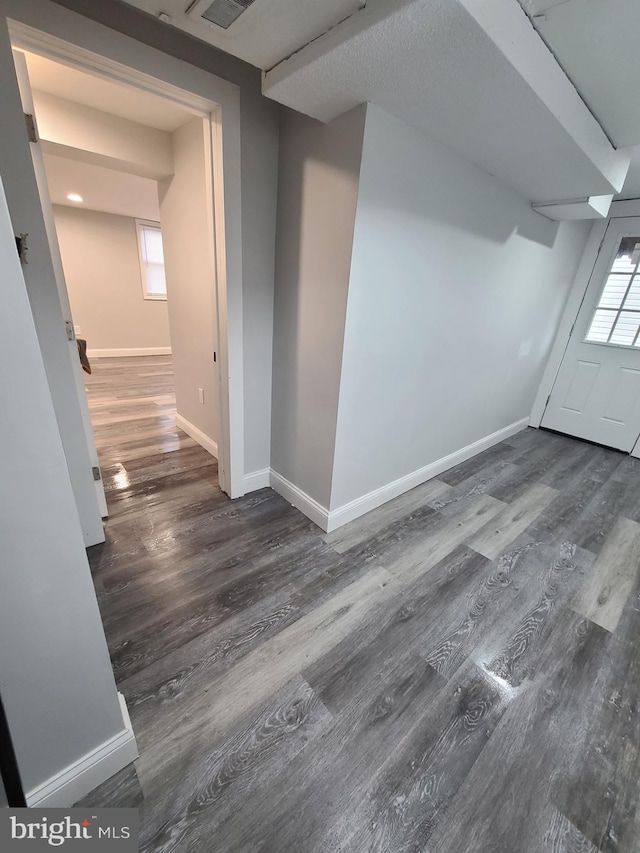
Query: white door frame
{"points": [[576, 296], [123, 59]]}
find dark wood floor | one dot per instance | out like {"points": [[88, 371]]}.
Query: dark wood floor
{"points": [[457, 671]]}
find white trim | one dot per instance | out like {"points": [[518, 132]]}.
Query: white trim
{"points": [[83, 776], [360, 506], [301, 500], [126, 352], [34, 38], [569, 316], [197, 435], [331, 520], [257, 480], [43, 27]]}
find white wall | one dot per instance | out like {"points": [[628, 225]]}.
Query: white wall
{"points": [[55, 673], [318, 190], [187, 229], [102, 271], [456, 292]]}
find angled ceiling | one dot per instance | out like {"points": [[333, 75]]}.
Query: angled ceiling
{"points": [[54, 78], [266, 33], [473, 75], [596, 43], [539, 93]]}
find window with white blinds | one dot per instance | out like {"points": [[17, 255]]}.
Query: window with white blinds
{"points": [[154, 285], [616, 319]]}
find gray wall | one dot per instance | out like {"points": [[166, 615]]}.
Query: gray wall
{"points": [[53, 658], [318, 190], [456, 292], [188, 255], [259, 155], [55, 674], [102, 270]]}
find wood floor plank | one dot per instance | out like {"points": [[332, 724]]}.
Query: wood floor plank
{"points": [[121, 791], [505, 794], [459, 473], [322, 783], [258, 675], [559, 835], [192, 667], [423, 610], [453, 646], [532, 619], [407, 560], [415, 787], [597, 789], [479, 483], [556, 521], [595, 522], [512, 520], [362, 529], [605, 592], [384, 688], [215, 784]]}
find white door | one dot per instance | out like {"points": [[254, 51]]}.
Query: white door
{"points": [[596, 395], [47, 211]]}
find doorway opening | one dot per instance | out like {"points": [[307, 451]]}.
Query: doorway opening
{"points": [[127, 179], [195, 233], [595, 394]]}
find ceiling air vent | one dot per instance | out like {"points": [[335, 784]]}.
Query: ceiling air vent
{"points": [[222, 13]]}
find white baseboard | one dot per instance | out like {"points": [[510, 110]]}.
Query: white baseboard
{"points": [[197, 435], [80, 778], [302, 501], [257, 480], [331, 520], [124, 353], [354, 509]]}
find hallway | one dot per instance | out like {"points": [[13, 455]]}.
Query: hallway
{"points": [[455, 671]]}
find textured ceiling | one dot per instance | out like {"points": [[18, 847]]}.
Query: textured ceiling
{"points": [[473, 75], [596, 43], [263, 35], [104, 95]]}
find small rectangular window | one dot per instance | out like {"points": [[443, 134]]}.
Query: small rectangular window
{"points": [[154, 285], [616, 318]]}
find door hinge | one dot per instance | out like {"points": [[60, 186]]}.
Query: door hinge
{"points": [[215, 357], [96, 473], [31, 127], [21, 246], [71, 335]]}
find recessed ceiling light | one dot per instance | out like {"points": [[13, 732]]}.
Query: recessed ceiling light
{"points": [[75, 197]]}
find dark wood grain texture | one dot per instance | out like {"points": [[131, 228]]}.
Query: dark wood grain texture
{"points": [[456, 672]]}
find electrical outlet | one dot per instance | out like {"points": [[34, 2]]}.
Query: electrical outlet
{"points": [[78, 331], [201, 395]]}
